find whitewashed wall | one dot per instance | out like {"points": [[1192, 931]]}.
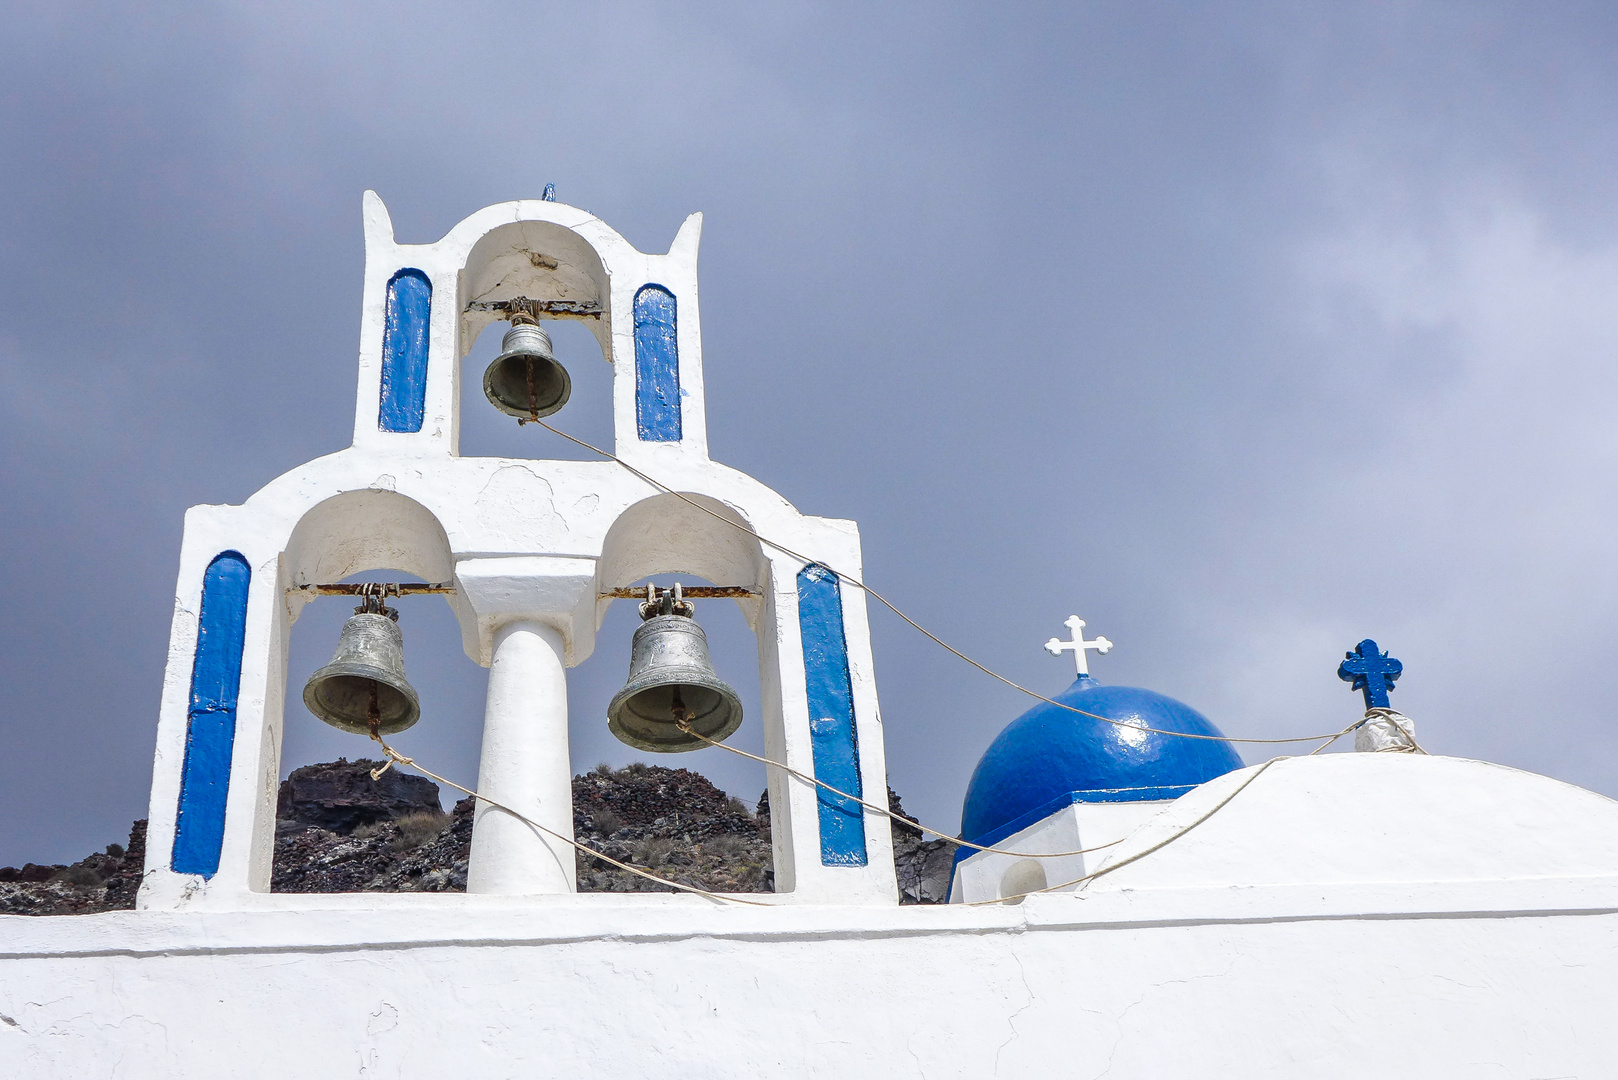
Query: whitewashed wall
{"points": [[1058, 986], [1345, 916]]}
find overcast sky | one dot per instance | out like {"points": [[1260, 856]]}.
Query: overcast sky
{"points": [[1244, 331]]}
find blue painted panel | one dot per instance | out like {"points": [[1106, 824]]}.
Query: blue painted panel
{"points": [[657, 366], [404, 352], [216, 677], [833, 741]]}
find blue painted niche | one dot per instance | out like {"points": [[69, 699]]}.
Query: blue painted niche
{"points": [[657, 366], [216, 676], [404, 351], [834, 743]]}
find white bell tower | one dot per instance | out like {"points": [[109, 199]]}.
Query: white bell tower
{"points": [[533, 552]]}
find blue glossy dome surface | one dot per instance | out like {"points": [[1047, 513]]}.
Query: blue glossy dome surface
{"points": [[1050, 757]]}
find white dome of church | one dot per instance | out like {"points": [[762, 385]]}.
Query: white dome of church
{"points": [[1117, 748]]}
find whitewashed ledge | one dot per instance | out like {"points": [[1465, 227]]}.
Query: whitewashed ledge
{"points": [[1510, 978], [328, 922]]}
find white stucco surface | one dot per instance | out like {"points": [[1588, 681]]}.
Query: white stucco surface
{"points": [[1304, 929], [1374, 981], [1064, 846]]}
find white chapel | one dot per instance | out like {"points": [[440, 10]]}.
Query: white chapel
{"points": [[1130, 898]]}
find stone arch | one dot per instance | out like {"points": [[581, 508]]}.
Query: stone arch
{"points": [[664, 534], [539, 260], [368, 529]]}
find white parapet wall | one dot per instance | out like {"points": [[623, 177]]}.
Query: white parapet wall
{"points": [[1342, 916], [1510, 979]]}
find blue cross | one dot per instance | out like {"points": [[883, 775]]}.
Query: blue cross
{"points": [[1372, 671]]}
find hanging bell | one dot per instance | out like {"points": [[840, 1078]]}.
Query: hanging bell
{"points": [[671, 677], [525, 380], [365, 677]]}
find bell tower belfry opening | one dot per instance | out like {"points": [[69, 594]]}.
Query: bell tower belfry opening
{"points": [[530, 565]]}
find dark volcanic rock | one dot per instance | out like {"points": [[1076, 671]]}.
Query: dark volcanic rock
{"points": [[339, 796], [436, 865], [923, 867], [671, 822], [420, 851], [652, 797], [340, 831], [105, 881]]}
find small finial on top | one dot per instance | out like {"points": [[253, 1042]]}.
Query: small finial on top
{"points": [[1371, 671], [550, 193], [1078, 646]]}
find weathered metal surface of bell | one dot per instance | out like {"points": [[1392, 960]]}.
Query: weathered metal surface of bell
{"points": [[525, 380], [367, 667], [668, 660]]}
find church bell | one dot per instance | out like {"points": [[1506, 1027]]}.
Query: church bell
{"points": [[525, 380], [671, 677], [365, 678]]}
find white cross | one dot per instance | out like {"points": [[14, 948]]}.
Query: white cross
{"points": [[1078, 646]]}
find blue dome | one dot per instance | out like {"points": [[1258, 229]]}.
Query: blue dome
{"points": [[1049, 757]]}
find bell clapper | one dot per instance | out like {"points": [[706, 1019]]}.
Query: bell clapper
{"points": [[525, 318]]}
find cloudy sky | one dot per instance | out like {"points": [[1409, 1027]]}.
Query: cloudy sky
{"points": [[1244, 331]]}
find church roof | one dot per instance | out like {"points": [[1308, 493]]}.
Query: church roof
{"points": [[1050, 757], [1383, 820]]}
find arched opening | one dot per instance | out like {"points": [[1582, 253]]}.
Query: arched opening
{"points": [[658, 541], [357, 537], [551, 273], [735, 846]]}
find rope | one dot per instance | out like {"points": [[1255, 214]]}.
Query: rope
{"points": [[685, 727], [857, 583], [394, 757], [1352, 727], [1121, 863]]}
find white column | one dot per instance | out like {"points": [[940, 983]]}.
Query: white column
{"points": [[525, 766]]}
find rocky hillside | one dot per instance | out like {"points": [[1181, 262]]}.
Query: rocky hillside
{"points": [[337, 830], [105, 881]]}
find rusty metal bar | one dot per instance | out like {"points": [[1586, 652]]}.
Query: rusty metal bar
{"points": [[505, 308], [690, 592], [384, 588], [407, 588]]}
